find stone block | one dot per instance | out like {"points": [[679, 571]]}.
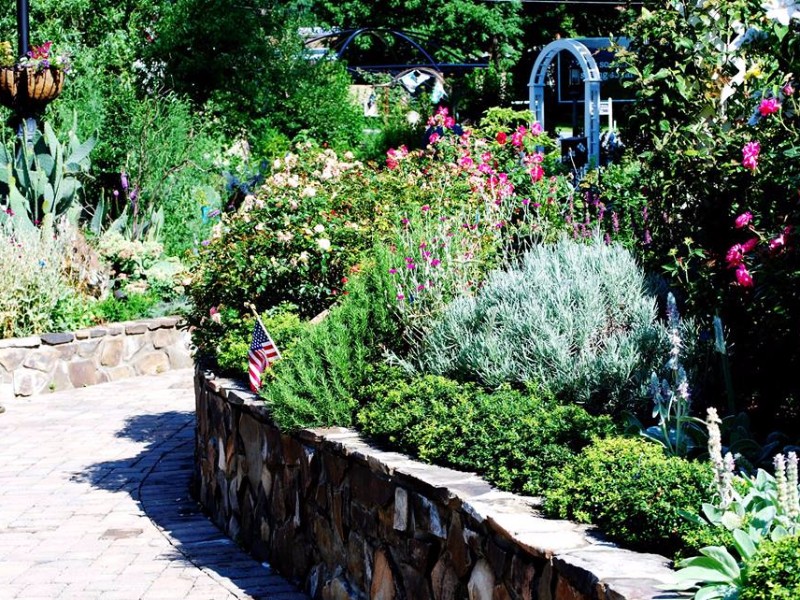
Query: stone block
{"points": [[112, 351], [116, 330], [120, 372], [481, 582], [88, 347], [180, 357], [60, 378], [136, 328], [66, 351], [152, 363], [133, 345], [82, 373], [564, 591], [98, 333], [11, 358], [165, 337], [383, 584], [444, 582], [400, 509], [169, 322], [56, 339], [26, 342], [41, 359], [28, 382]]}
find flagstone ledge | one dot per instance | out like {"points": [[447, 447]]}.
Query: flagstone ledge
{"points": [[53, 362], [346, 520]]}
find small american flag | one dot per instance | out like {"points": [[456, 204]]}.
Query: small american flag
{"points": [[263, 352]]}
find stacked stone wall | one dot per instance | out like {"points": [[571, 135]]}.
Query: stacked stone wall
{"points": [[348, 521], [54, 362]]}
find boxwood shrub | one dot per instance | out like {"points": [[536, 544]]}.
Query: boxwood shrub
{"points": [[633, 492], [513, 438], [774, 572]]}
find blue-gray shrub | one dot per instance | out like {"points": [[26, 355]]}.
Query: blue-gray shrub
{"points": [[573, 317]]}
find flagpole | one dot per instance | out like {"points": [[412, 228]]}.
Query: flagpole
{"points": [[264, 329]]}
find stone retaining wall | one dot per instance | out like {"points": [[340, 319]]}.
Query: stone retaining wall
{"points": [[348, 521], [59, 361]]}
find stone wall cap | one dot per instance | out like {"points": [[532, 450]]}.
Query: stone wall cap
{"points": [[56, 339], [169, 322], [134, 328], [98, 332], [27, 342]]}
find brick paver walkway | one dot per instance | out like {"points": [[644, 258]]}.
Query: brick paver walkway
{"points": [[94, 501]]}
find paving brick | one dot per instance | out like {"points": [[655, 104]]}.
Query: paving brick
{"points": [[94, 501]]}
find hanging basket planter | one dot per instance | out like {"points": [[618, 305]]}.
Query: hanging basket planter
{"points": [[29, 89]]}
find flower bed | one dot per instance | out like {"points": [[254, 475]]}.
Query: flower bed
{"points": [[349, 521]]}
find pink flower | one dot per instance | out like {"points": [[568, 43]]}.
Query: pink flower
{"points": [[435, 262], [393, 271], [750, 155], [536, 129], [449, 122], [735, 256], [501, 138], [777, 243], [435, 137], [537, 173], [420, 287], [788, 90], [769, 106], [749, 245], [466, 162], [425, 208], [743, 276], [401, 296], [743, 219], [518, 135]]}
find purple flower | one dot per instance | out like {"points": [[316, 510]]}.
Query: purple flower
{"points": [[123, 178], [392, 270]]}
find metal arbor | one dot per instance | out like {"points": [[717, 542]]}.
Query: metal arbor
{"points": [[591, 87]]}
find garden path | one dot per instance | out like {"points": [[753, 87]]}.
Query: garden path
{"points": [[94, 500]]}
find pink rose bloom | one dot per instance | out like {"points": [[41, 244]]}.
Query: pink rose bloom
{"points": [[743, 276], [749, 245], [743, 220], [536, 129], [518, 135], [537, 173], [466, 162], [788, 90], [434, 138], [769, 106], [778, 243], [750, 155], [735, 256]]}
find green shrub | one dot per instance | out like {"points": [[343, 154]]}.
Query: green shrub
{"points": [[233, 344], [774, 572], [317, 382], [134, 306], [632, 492], [571, 316], [513, 438], [36, 294]]}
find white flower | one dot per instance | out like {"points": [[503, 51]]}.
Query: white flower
{"points": [[293, 181], [303, 258], [324, 244], [276, 164], [309, 191], [319, 228], [782, 11]]}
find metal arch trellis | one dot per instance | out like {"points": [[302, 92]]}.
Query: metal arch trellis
{"points": [[591, 87]]}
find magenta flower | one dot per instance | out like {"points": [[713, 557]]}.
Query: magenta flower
{"points": [[536, 129], [435, 262], [788, 90], [749, 245], [401, 296], [777, 243], [537, 173], [434, 138], [425, 208], [743, 220], [735, 256], [393, 271], [501, 138], [743, 276], [769, 106], [750, 155], [420, 287]]}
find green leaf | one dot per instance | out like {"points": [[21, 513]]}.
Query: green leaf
{"points": [[81, 153], [744, 545], [729, 565]]}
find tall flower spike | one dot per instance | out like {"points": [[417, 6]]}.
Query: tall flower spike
{"points": [[780, 481], [792, 498]]}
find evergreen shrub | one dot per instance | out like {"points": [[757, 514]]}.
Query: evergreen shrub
{"points": [[632, 492], [513, 438], [572, 316], [774, 573]]}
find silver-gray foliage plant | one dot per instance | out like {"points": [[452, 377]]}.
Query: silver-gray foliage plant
{"points": [[571, 316]]}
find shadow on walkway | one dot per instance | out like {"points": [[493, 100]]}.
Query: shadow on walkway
{"points": [[158, 478]]}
